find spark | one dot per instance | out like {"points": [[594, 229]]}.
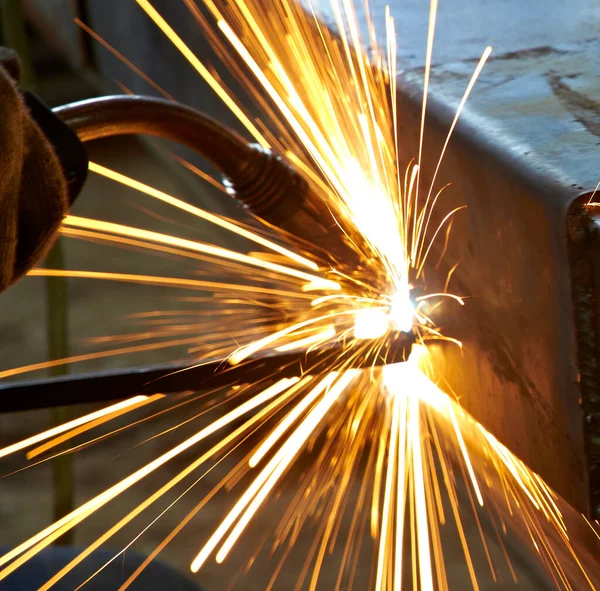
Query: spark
{"points": [[296, 441], [244, 352], [218, 88], [45, 537], [332, 111], [591, 202], [122, 58], [326, 334], [194, 245], [69, 426], [370, 323], [402, 312], [221, 221], [96, 421]]}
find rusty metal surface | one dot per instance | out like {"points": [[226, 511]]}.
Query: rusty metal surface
{"points": [[526, 148]]}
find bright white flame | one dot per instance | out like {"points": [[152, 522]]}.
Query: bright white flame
{"points": [[402, 312], [375, 217], [371, 323], [408, 380]]}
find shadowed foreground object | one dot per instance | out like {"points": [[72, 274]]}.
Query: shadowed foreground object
{"points": [[33, 191]]}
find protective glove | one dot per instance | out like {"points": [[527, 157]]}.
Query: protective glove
{"points": [[33, 191]]}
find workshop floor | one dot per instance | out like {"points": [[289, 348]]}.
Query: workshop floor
{"points": [[99, 309]]}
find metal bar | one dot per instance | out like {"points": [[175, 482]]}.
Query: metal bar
{"points": [[112, 385]]}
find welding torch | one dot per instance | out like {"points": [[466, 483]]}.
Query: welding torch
{"points": [[261, 181]]}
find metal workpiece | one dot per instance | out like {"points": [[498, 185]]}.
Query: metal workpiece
{"points": [[263, 368], [465, 27], [526, 148]]}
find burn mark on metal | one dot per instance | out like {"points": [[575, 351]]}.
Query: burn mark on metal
{"points": [[582, 107], [534, 52]]}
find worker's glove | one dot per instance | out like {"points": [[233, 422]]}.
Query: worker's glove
{"points": [[33, 192]]}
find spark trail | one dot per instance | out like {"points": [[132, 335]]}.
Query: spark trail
{"points": [[327, 103]]}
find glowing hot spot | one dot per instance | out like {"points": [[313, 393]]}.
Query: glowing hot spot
{"points": [[371, 323], [402, 312]]}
